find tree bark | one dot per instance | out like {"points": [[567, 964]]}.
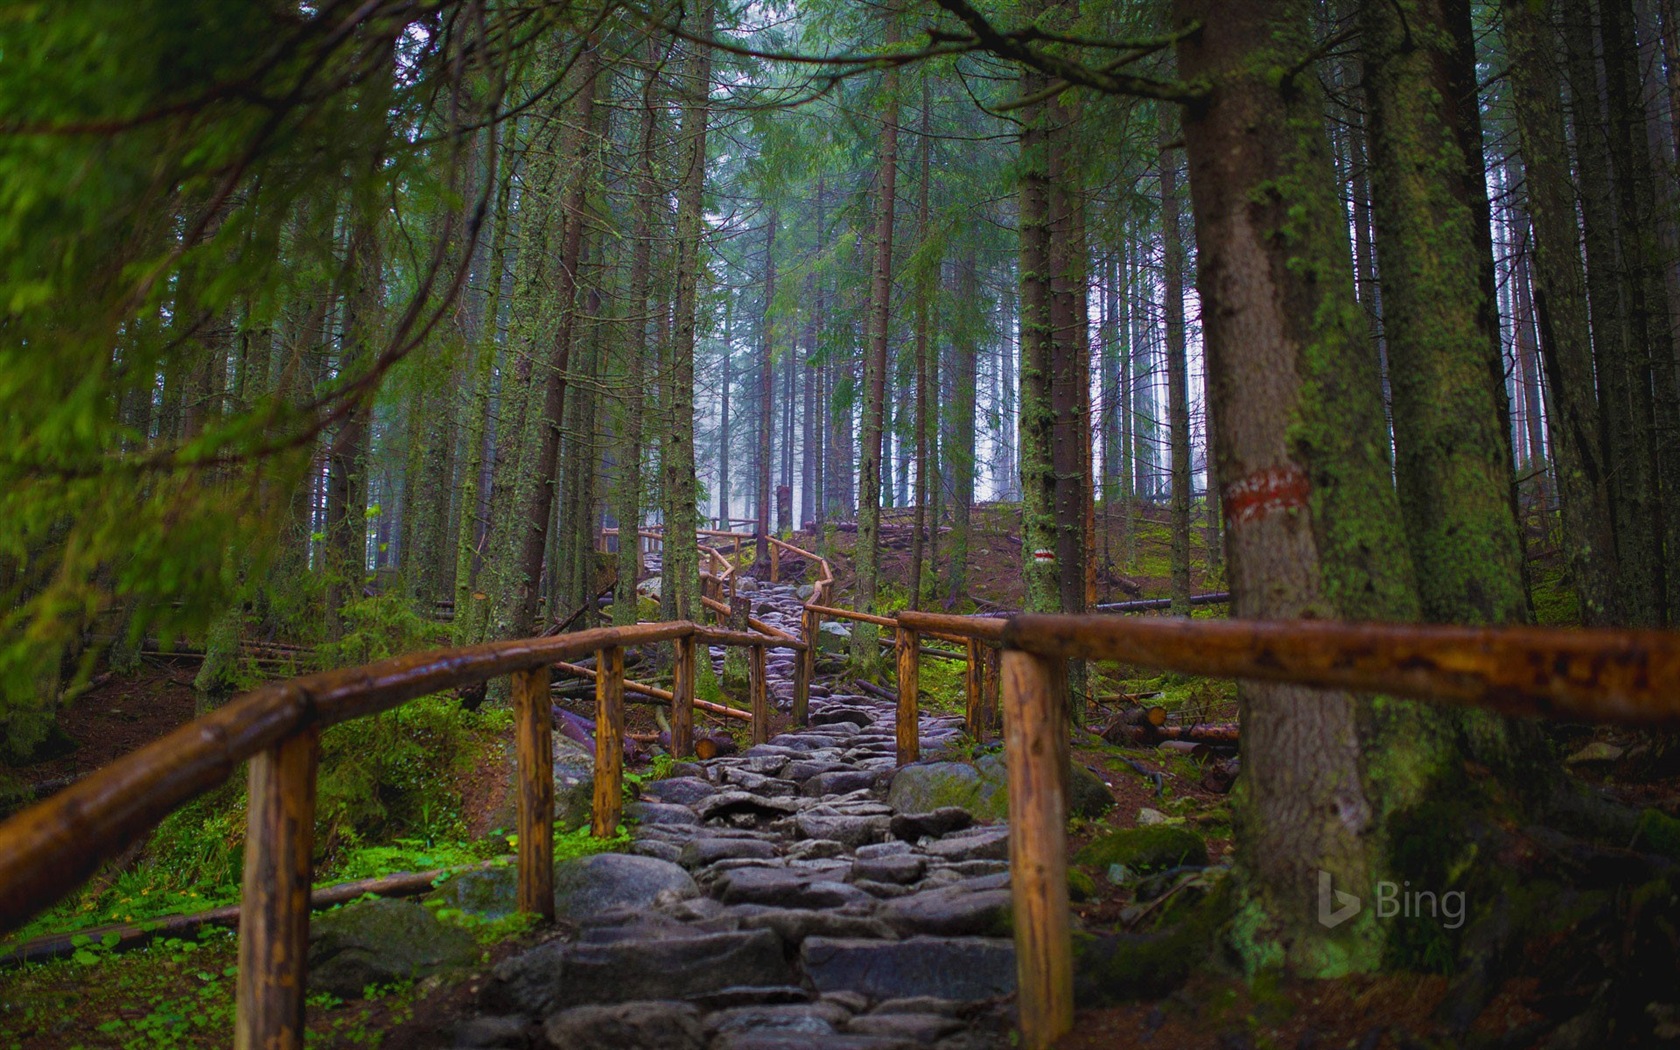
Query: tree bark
{"points": [[682, 558], [1313, 528], [864, 650]]}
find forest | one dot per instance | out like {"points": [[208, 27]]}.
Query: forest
{"points": [[845, 341]]}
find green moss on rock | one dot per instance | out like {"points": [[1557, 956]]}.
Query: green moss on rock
{"points": [[1145, 849]]}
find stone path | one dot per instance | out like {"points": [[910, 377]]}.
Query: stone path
{"points": [[792, 897]]}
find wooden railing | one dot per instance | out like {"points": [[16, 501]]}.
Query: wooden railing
{"points": [[1631, 677], [54, 846]]}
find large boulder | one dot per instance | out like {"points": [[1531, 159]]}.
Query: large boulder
{"points": [[589, 886], [983, 789], [927, 786], [1088, 796], [382, 942], [834, 637]]}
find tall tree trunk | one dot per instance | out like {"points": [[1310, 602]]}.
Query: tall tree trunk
{"points": [[347, 487], [1644, 288], [965, 360], [682, 557], [723, 412], [1178, 383], [766, 394], [1313, 527], [924, 293], [1039, 535], [864, 651], [633, 347], [536, 486], [1453, 469], [1625, 438]]}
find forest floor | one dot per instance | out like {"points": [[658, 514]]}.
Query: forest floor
{"points": [[182, 988]]}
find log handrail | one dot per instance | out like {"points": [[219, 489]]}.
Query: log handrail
{"points": [[52, 847], [1598, 674]]}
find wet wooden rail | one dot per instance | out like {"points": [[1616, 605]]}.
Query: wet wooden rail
{"points": [[52, 847]]}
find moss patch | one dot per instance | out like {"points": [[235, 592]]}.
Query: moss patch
{"points": [[1145, 849]]}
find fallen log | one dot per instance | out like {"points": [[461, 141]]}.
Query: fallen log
{"points": [[1212, 733], [1147, 604]]}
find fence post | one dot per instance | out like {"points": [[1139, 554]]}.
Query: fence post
{"points": [[533, 727], [973, 680], [274, 907], [1035, 728], [991, 705], [775, 564], [805, 669], [909, 692], [682, 698], [609, 741], [759, 686]]}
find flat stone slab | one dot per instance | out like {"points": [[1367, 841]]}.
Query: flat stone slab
{"points": [[941, 821], [793, 925], [900, 868], [989, 844], [783, 888], [939, 967], [701, 852], [648, 1025], [557, 975], [660, 813], [588, 886], [951, 912], [850, 830], [682, 791]]}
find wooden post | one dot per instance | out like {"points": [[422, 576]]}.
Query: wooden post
{"points": [[533, 728], [274, 907], [682, 699], [609, 741], [758, 683], [806, 669], [1035, 730], [974, 715], [775, 564], [991, 709], [909, 693]]}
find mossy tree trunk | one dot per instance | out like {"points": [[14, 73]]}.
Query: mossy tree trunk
{"points": [[1624, 402], [1178, 384], [633, 348], [1037, 420], [1312, 523], [766, 396], [1560, 306], [536, 484], [870, 475], [965, 359], [1454, 476], [681, 572]]}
